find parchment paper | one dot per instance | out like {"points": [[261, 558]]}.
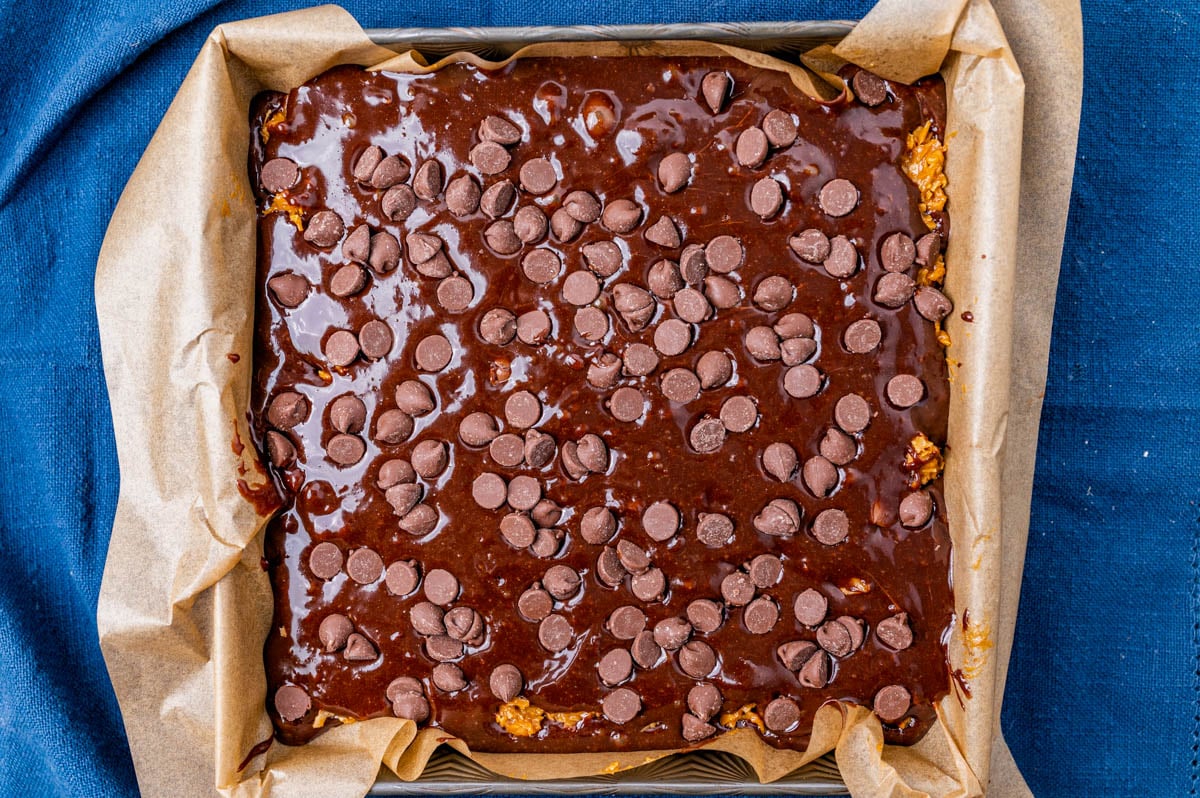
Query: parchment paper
{"points": [[185, 605]]}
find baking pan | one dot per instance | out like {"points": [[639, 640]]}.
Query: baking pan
{"points": [[696, 772]]}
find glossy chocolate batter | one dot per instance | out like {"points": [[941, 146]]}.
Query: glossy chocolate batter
{"points": [[345, 311]]}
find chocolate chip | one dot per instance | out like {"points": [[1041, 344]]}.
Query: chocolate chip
{"points": [[862, 336], [694, 729], [779, 128], [575, 469], [780, 517], [794, 351], [422, 246], [674, 172], [545, 512], [894, 632], [508, 450], [448, 677], [501, 131], [602, 257], [414, 397], [384, 254], [604, 371], [345, 450], [555, 633], [325, 560], [931, 303], [287, 409], [724, 254], [929, 246], [411, 707], [443, 648], [892, 703], [773, 293], [348, 414], [795, 653], [707, 435], [401, 577], [390, 171], [530, 224], [465, 624], [803, 381], [429, 458], [905, 390], [672, 337], [704, 701], [341, 348], [815, 672], [763, 344], [639, 360], [843, 258], [697, 659], [404, 497], [375, 339], [280, 450], [782, 715], [760, 616], [838, 197], [402, 685], [608, 567], [420, 520], [780, 461], [794, 325], [565, 227], [664, 233], [539, 451], [722, 292], [649, 586], [897, 253], [591, 324], [765, 570], [436, 267], [625, 623], [738, 413], [751, 147], [893, 290], [766, 197], [537, 176], [580, 288], [348, 280], [289, 290], [429, 179], [621, 705], [837, 447], [364, 566], [835, 638], [582, 206], [433, 353], [426, 619], [441, 587], [714, 529], [737, 589], [506, 682], [489, 490], [869, 88], [715, 88], [489, 157], [627, 404], [393, 427], [615, 667], [646, 653], [398, 202], [810, 245], [364, 165], [831, 527], [534, 604], [852, 413], [334, 631], [621, 216], [498, 326], [661, 521], [714, 369], [693, 264], [292, 703], [324, 229], [664, 279], [497, 200], [546, 543], [691, 306], [820, 476], [524, 492], [916, 509], [462, 196], [533, 327], [279, 174], [541, 265]]}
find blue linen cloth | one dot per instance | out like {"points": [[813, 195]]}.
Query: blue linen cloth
{"points": [[1103, 689]]}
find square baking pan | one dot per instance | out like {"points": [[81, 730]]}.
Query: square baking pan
{"points": [[696, 772]]}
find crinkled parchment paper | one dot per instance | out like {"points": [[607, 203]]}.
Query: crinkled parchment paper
{"points": [[185, 605]]}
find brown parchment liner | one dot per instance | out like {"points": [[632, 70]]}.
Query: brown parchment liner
{"points": [[185, 604]]}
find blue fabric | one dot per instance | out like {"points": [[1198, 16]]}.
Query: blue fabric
{"points": [[1104, 686]]}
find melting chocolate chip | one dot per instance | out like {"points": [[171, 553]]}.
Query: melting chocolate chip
{"points": [[916, 509]]}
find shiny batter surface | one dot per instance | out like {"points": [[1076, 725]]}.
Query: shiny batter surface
{"points": [[604, 127]]}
